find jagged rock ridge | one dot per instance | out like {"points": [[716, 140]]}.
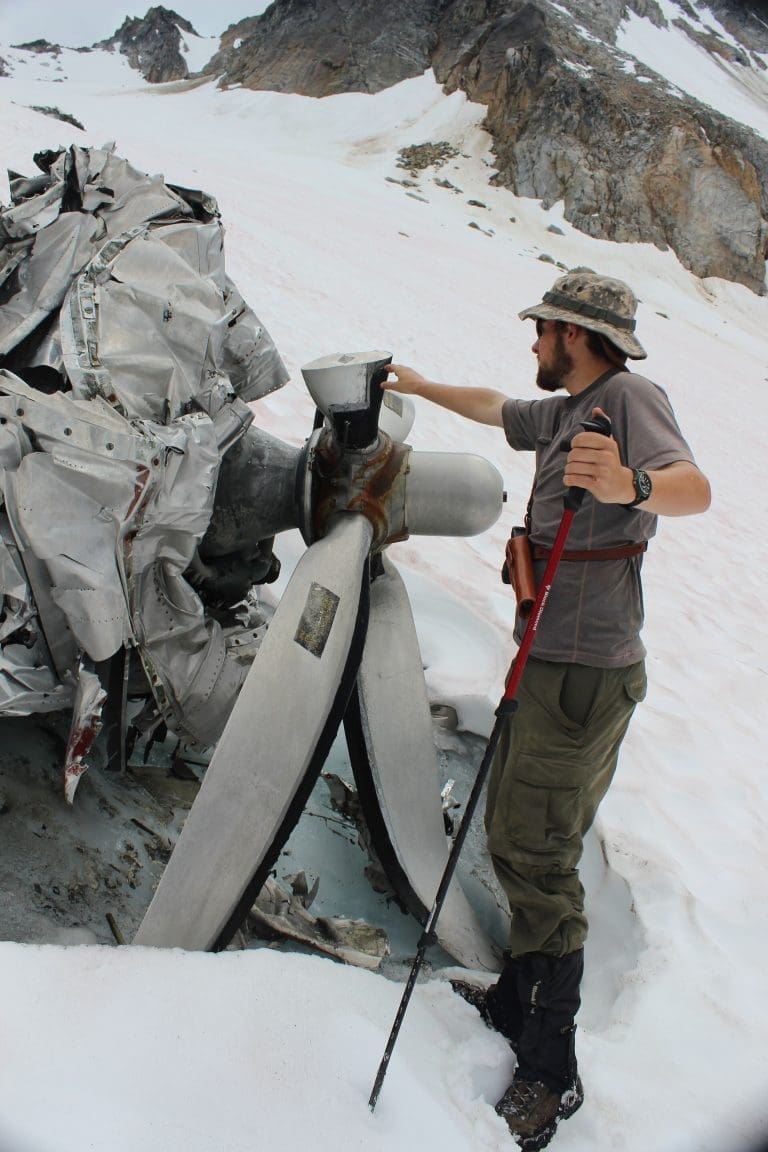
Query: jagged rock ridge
{"points": [[152, 44], [40, 46], [572, 117]]}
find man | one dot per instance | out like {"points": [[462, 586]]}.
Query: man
{"points": [[585, 675]]}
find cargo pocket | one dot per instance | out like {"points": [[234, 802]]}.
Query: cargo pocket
{"points": [[538, 816], [636, 682]]}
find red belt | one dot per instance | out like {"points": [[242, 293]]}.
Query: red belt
{"points": [[541, 553]]}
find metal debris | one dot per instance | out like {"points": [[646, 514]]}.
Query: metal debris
{"points": [[283, 914]]}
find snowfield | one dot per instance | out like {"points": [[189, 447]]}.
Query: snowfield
{"points": [[122, 1048]]}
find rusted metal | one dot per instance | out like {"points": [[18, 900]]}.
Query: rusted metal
{"points": [[371, 482]]}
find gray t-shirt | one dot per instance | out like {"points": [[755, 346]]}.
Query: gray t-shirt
{"points": [[595, 608]]}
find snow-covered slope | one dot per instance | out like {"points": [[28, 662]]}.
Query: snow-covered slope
{"points": [[737, 90], [119, 1048]]}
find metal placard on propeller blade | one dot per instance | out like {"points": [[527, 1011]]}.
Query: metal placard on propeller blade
{"points": [[272, 748]]}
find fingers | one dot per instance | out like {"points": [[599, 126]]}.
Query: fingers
{"points": [[392, 370], [406, 379], [581, 472], [594, 464]]}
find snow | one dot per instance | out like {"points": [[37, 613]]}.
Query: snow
{"points": [[198, 50], [122, 1048], [736, 91]]}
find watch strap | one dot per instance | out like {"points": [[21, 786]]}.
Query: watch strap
{"points": [[643, 487]]}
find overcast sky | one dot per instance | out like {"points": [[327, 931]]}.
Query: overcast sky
{"points": [[83, 22]]}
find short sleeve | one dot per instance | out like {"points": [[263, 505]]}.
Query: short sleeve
{"points": [[644, 423], [525, 421]]}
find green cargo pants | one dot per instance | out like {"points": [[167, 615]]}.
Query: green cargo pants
{"points": [[554, 763]]}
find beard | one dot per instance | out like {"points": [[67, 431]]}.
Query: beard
{"points": [[551, 377]]}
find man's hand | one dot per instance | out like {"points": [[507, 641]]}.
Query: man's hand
{"points": [[481, 404], [594, 463], [407, 380]]}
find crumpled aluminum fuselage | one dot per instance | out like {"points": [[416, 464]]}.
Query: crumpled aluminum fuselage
{"points": [[129, 359]]}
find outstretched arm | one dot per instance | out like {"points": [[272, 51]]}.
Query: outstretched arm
{"points": [[483, 405]]}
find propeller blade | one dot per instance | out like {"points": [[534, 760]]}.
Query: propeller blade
{"points": [[397, 415], [274, 744], [389, 734]]}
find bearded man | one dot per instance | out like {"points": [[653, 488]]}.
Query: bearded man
{"points": [[586, 669]]}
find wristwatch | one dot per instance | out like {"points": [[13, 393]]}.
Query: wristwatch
{"points": [[643, 487]]}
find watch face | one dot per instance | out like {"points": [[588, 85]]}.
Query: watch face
{"points": [[642, 484]]}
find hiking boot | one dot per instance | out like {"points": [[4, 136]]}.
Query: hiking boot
{"points": [[478, 997], [533, 1111], [475, 995]]}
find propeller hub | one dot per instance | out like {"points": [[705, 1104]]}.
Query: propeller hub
{"points": [[370, 482]]}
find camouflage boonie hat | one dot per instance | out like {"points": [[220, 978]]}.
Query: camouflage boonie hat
{"points": [[599, 303]]}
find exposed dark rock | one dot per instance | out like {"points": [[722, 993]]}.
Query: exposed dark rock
{"points": [[650, 10], [57, 114], [631, 161], [747, 22], [714, 44], [152, 44], [40, 46], [317, 49], [226, 60], [417, 157], [572, 118]]}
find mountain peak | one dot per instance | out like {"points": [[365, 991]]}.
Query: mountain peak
{"points": [[152, 44]]}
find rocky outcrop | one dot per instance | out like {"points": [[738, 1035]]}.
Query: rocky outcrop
{"points": [[40, 46], [321, 48], [631, 159], [57, 114], [746, 22], [228, 55], [572, 117], [153, 44]]}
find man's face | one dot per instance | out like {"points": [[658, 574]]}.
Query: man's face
{"points": [[555, 363]]}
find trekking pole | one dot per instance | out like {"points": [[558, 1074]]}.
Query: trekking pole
{"points": [[507, 708]]}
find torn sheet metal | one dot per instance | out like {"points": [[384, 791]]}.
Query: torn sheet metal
{"points": [[283, 914], [102, 231], [114, 538], [127, 358], [85, 727], [28, 682]]}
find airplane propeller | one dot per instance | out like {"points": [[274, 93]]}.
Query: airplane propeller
{"points": [[341, 645]]}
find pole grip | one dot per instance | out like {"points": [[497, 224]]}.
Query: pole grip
{"points": [[574, 496]]}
